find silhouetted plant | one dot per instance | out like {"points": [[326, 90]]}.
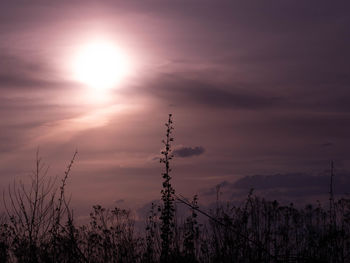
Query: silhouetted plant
{"points": [[31, 213], [168, 209], [191, 234], [39, 227], [110, 236], [5, 236], [152, 236]]}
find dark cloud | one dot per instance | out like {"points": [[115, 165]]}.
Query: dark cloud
{"points": [[261, 182], [195, 89], [188, 151], [27, 81], [286, 187], [299, 63], [18, 72], [179, 90]]}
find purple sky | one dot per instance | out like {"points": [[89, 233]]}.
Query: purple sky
{"points": [[255, 87]]}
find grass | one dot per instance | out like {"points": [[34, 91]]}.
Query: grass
{"points": [[39, 226]]}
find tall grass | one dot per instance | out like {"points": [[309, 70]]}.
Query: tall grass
{"points": [[39, 226]]}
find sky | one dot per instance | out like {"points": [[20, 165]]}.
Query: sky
{"points": [[258, 91]]}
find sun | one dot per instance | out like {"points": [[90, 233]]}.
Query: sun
{"points": [[100, 65]]}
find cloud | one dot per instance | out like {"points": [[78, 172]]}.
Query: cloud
{"points": [[287, 181], [194, 89], [202, 88], [18, 73], [285, 187], [188, 151]]}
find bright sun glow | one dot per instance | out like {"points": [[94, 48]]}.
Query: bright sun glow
{"points": [[100, 65]]}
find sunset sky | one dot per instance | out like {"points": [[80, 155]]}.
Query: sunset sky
{"points": [[259, 92]]}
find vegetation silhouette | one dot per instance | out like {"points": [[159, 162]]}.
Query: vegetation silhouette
{"points": [[38, 226], [168, 208]]}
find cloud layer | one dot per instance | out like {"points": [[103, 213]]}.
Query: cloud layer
{"points": [[253, 88], [292, 187]]}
